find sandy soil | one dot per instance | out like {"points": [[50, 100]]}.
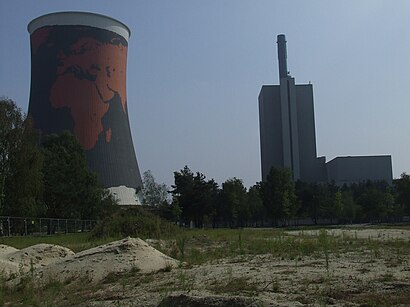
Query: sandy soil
{"points": [[358, 277], [46, 261], [366, 233], [14, 262], [115, 257], [353, 278]]}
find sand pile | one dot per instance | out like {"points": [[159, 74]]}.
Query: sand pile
{"points": [[16, 262], [47, 261], [115, 257]]}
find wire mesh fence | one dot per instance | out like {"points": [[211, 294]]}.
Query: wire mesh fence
{"points": [[21, 226]]}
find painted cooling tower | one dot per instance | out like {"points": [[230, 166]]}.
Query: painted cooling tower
{"points": [[78, 76]]}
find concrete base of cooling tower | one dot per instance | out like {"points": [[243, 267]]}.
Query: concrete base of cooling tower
{"points": [[126, 196]]}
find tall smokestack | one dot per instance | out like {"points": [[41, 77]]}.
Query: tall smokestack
{"points": [[78, 83], [282, 56]]}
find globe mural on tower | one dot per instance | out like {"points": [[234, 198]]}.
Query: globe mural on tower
{"points": [[78, 83]]}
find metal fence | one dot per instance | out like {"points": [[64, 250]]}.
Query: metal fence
{"points": [[21, 226]]}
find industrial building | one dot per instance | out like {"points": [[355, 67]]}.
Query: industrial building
{"points": [[288, 137], [348, 170], [78, 83]]}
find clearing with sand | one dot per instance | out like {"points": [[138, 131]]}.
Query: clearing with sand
{"points": [[366, 266]]}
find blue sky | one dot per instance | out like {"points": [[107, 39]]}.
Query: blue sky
{"points": [[195, 69]]}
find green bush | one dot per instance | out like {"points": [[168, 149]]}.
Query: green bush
{"points": [[133, 222]]}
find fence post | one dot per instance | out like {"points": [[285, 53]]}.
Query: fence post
{"points": [[8, 222], [41, 229], [66, 226], [25, 227]]}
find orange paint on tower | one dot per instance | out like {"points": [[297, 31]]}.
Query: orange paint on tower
{"points": [[97, 71], [108, 135], [39, 37]]}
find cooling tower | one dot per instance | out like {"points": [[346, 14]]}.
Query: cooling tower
{"points": [[78, 83]]}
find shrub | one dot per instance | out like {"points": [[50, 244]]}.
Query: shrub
{"points": [[133, 222]]}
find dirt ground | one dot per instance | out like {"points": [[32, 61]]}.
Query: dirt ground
{"points": [[364, 277], [368, 276]]}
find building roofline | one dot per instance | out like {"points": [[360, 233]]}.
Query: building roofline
{"points": [[359, 157]]}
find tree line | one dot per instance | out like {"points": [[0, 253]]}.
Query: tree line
{"points": [[44, 176], [279, 201], [48, 177]]}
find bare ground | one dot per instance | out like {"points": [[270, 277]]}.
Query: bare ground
{"points": [[363, 276]]}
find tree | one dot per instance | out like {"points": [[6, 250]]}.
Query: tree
{"points": [[203, 200], [11, 119], [183, 190], [278, 195], [350, 210], [72, 191], [24, 186], [377, 205], [21, 162], [308, 205], [235, 210], [195, 197], [153, 194], [329, 201], [255, 204], [402, 188]]}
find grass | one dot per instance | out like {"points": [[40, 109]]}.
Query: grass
{"points": [[209, 245], [31, 293], [324, 242], [201, 245]]}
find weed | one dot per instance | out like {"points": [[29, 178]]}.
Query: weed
{"points": [[31, 268], [273, 284], [184, 281], [386, 277], [114, 277], [168, 267], [134, 270], [123, 283], [363, 270], [240, 243], [54, 286], [181, 240], [324, 241], [235, 285], [147, 278], [111, 277]]}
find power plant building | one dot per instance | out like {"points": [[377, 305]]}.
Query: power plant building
{"points": [[78, 83], [348, 170], [288, 137]]}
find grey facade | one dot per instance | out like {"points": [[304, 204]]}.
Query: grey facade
{"points": [[348, 170], [287, 125], [288, 137]]}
